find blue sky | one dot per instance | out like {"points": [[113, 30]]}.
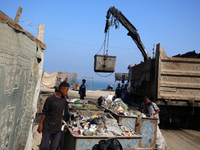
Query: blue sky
{"points": [[74, 30]]}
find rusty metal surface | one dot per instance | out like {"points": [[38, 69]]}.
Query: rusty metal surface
{"points": [[146, 126], [104, 63], [74, 142], [149, 132], [128, 122], [89, 143]]}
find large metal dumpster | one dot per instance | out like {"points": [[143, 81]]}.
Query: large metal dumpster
{"points": [[77, 142], [146, 126], [74, 142], [128, 121]]}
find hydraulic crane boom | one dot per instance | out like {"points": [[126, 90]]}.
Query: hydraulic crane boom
{"points": [[132, 30]]}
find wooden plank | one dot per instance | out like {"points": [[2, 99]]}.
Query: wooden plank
{"points": [[180, 60], [18, 15], [179, 97], [40, 35], [4, 17], [180, 85], [180, 73], [168, 89], [158, 69]]}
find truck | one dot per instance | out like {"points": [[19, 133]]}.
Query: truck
{"points": [[173, 83]]}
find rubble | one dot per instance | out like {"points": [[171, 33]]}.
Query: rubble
{"points": [[98, 125]]}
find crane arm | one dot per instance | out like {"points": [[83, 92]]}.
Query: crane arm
{"points": [[132, 30]]}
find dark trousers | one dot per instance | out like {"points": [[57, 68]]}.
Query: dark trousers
{"points": [[82, 97], [50, 141]]}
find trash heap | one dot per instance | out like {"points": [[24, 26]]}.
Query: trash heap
{"points": [[83, 106], [99, 125], [119, 107], [74, 100]]}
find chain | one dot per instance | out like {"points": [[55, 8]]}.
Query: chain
{"points": [[104, 76], [107, 41]]}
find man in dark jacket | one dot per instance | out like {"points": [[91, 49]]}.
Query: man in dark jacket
{"points": [[66, 80], [118, 91], [52, 118], [82, 89]]}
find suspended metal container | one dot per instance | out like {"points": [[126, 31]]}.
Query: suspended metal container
{"points": [[104, 63]]}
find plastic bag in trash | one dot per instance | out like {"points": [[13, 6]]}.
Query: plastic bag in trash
{"points": [[108, 97], [110, 144], [105, 118], [100, 100], [160, 140], [74, 100], [118, 100], [97, 121]]}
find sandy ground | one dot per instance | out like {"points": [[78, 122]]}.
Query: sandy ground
{"points": [[177, 139], [36, 138], [91, 94], [182, 139]]}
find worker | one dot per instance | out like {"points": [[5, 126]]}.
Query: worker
{"points": [[82, 90], [109, 87], [118, 91], [52, 118], [57, 84], [150, 108], [125, 93], [66, 80]]}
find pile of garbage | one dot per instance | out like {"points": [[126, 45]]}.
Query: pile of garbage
{"points": [[74, 100], [83, 106], [119, 107], [99, 125]]}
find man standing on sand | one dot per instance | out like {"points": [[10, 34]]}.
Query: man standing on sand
{"points": [[66, 79], [82, 89], [118, 91], [125, 93], [52, 118], [57, 84]]}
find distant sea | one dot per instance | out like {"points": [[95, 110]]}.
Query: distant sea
{"points": [[97, 85]]}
